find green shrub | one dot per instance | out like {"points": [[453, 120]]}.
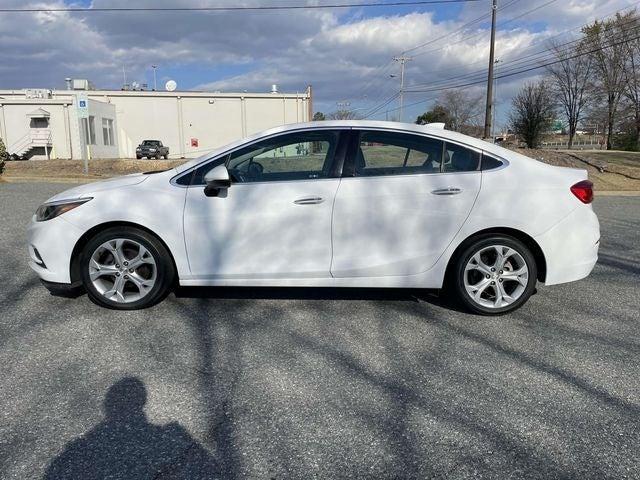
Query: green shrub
{"points": [[625, 141]]}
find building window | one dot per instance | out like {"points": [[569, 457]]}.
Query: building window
{"points": [[39, 123], [89, 127], [107, 131]]}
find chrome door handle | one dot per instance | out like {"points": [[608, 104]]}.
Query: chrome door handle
{"points": [[309, 201], [447, 191]]}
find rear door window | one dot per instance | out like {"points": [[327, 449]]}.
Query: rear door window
{"points": [[396, 153], [460, 159]]}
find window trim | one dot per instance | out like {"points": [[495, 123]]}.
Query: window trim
{"points": [[335, 169]]}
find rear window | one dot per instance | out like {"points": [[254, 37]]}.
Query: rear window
{"points": [[489, 162]]}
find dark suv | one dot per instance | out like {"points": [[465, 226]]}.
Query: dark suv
{"points": [[152, 149]]}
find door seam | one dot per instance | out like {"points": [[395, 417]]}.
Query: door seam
{"points": [[333, 209]]}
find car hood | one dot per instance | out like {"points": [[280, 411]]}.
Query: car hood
{"points": [[89, 189]]}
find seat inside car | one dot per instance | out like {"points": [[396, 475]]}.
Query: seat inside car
{"points": [[463, 160]]}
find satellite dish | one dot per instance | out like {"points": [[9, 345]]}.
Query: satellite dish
{"points": [[170, 86]]}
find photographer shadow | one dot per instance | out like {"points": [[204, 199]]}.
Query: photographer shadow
{"points": [[125, 445]]}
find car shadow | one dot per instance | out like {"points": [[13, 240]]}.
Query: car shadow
{"points": [[430, 296], [126, 445]]}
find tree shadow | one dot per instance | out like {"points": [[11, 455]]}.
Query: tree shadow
{"points": [[125, 445]]}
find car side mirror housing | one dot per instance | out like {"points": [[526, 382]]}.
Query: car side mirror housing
{"points": [[217, 179]]}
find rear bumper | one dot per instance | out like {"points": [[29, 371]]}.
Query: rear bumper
{"points": [[571, 246]]}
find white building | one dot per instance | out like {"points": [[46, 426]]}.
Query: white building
{"points": [[85, 123]]}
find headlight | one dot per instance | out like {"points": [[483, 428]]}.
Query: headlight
{"points": [[47, 211]]}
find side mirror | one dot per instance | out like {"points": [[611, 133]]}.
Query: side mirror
{"points": [[216, 179]]}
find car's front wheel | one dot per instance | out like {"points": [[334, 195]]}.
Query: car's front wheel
{"points": [[494, 274], [126, 268]]}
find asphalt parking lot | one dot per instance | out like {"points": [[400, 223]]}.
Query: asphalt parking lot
{"points": [[268, 383]]}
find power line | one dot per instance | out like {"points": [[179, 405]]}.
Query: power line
{"points": [[501, 24], [523, 61], [234, 9], [382, 105], [536, 67], [514, 67], [460, 29], [475, 35], [616, 41], [426, 100]]}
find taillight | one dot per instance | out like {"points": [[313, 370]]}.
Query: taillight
{"points": [[583, 190]]}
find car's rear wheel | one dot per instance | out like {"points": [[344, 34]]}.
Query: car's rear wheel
{"points": [[494, 274], [126, 268]]}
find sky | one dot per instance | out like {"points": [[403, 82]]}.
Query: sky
{"points": [[345, 54]]}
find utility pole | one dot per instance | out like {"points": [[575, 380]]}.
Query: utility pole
{"points": [[494, 110], [489, 110], [403, 60], [155, 84]]}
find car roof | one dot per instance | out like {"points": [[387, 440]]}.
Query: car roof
{"points": [[433, 129]]}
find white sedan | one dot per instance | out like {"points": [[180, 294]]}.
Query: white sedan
{"points": [[326, 204]]}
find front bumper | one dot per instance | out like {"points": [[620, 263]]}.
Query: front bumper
{"points": [[571, 246], [51, 246], [70, 290]]}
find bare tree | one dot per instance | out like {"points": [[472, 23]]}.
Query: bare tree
{"points": [[437, 114], [631, 91], [343, 115], [464, 108], [603, 41], [570, 78], [532, 112]]}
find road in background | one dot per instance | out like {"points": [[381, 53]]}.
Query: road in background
{"points": [[300, 383]]}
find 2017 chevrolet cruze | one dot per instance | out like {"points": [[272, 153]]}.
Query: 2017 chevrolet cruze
{"points": [[326, 204]]}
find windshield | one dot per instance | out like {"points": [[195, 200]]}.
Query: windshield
{"points": [[151, 143]]}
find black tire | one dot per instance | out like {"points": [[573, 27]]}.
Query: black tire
{"points": [[455, 280], [165, 272], [166, 156]]}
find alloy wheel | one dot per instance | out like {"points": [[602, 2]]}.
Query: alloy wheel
{"points": [[495, 276], [122, 270]]}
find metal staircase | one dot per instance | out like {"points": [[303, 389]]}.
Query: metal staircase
{"points": [[36, 137]]}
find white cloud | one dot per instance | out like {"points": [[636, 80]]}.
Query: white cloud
{"points": [[293, 49]]}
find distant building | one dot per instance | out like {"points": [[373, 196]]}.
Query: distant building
{"points": [[84, 123]]}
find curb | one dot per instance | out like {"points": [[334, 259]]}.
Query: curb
{"points": [[12, 179], [617, 193]]}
